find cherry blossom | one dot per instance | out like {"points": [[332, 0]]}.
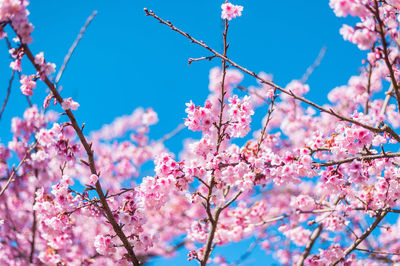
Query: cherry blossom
{"points": [[310, 184], [230, 11]]}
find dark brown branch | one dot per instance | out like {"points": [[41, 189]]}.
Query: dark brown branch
{"points": [[94, 202], [220, 134], [386, 53], [366, 107], [360, 158], [34, 226], [315, 234], [8, 94]]}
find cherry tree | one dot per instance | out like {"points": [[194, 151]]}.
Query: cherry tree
{"points": [[315, 185]]}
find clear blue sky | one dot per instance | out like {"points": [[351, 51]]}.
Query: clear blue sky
{"points": [[126, 59]]}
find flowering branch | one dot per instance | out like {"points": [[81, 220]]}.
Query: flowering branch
{"points": [[360, 158], [229, 185], [220, 135], [358, 241], [386, 53], [90, 153], [15, 170], [270, 83]]}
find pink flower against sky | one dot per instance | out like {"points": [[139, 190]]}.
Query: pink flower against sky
{"points": [[230, 11]]}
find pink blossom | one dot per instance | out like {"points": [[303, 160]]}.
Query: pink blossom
{"points": [[68, 103], [93, 179], [27, 85], [46, 68], [301, 168], [16, 65], [304, 203], [104, 244], [343, 8], [230, 11]]}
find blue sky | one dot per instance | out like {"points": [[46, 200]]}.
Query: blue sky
{"points": [[126, 59]]}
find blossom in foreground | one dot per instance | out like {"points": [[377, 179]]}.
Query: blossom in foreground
{"points": [[68, 103], [230, 11], [27, 85], [304, 178]]}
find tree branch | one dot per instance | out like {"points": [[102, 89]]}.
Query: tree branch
{"points": [[270, 83], [220, 133], [8, 94], [358, 241], [15, 170], [360, 158], [315, 234]]}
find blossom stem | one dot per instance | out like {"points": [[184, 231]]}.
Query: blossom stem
{"points": [[221, 133]]}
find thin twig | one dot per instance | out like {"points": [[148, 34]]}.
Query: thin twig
{"points": [[209, 58], [314, 65], [358, 241], [34, 225], [360, 158], [378, 252], [387, 99], [174, 248], [248, 252], [269, 117], [386, 53], [72, 48], [366, 106], [91, 202], [15, 170], [173, 133], [272, 220], [8, 94]]}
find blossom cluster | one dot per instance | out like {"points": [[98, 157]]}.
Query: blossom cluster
{"points": [[309, 183]]}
